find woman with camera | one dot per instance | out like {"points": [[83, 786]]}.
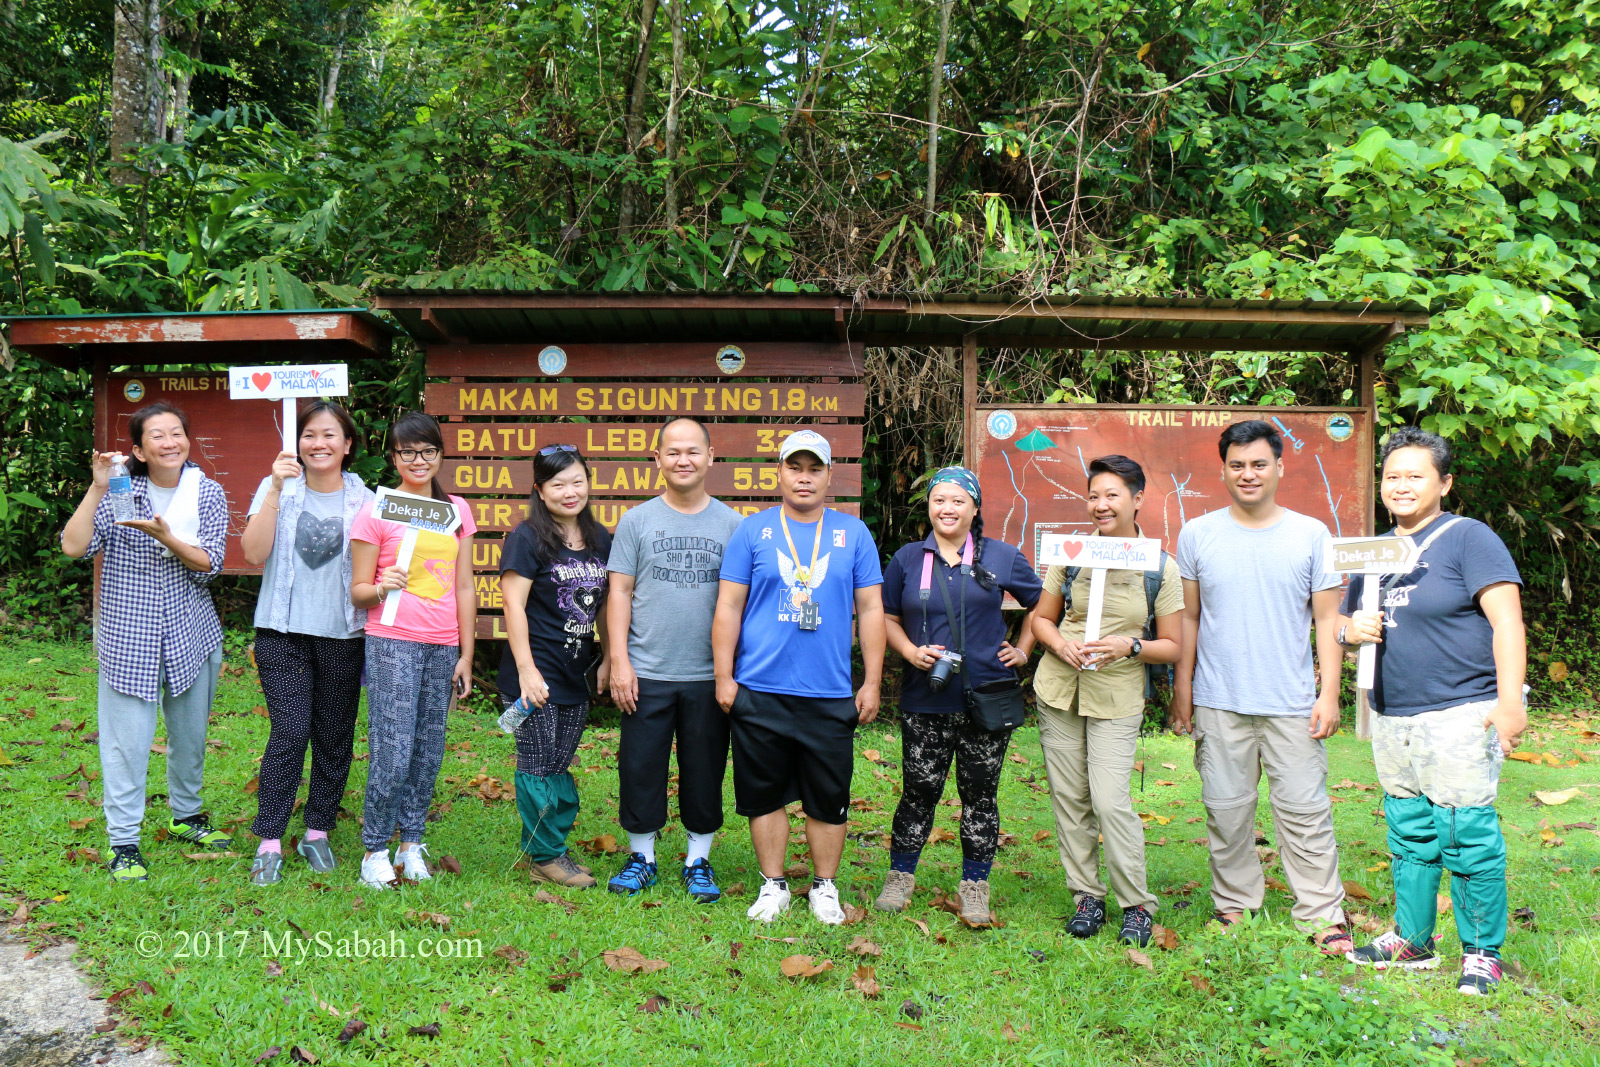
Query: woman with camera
{"points": [[417, 658], [1091, 704], [942, 599]]}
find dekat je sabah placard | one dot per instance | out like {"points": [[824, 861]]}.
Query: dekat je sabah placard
{"points": [[418, 513], [1370, 557], [1099, 554], [288, 384]]}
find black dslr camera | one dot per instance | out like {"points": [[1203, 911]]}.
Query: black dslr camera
{"points": [[948, 663]]}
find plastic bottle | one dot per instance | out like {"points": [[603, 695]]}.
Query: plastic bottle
{"points": [[120, 490], [512, 717]]}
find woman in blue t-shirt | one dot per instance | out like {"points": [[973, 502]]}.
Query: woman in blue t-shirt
{"points": [[958, 565], [1451, 655], [553, 583]]}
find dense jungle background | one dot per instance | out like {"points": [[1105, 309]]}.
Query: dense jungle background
{"points": [[220, 154]]}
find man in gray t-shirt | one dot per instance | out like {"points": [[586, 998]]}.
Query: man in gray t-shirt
{"points": [[1255, 585], [664, 563]]}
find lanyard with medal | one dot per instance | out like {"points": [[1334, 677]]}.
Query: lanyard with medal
{"points": [[800, 595]]}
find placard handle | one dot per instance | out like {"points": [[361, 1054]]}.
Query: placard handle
{"points": [[1097, 607], [408, 547], [1367, 658]]}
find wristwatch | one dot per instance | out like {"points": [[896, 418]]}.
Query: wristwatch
{"points": [[1135, 647]]}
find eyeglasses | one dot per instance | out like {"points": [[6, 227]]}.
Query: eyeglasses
{"points": [[550, 450], [411, 455]]}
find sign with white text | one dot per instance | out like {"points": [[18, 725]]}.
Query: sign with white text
{"points": [[1099, 554], [1370, 557], [288, 384]]}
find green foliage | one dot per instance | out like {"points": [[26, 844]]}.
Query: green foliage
{"points": [[1301, 1018]]}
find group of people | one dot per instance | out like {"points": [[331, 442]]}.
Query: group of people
{"points": [[718, 635]]}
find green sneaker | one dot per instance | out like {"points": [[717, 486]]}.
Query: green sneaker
{"points": [[127, 865], [197, 829]]}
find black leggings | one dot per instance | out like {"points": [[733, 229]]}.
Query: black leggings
{"points": [[929, 743], [313, 688]]}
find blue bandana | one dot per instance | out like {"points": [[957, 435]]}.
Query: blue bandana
{"points": [[961, 477]]}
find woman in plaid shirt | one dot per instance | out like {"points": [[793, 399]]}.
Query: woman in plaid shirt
{"points": [[158, 636]]}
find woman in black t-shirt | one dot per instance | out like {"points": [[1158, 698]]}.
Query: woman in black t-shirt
{"points": [[1451, 655], [553, 583]]}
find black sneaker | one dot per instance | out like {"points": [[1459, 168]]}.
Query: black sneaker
{"points": [[127, 865], [1480, 974], [1089, 918], [1135, 926], [1389, 949]]}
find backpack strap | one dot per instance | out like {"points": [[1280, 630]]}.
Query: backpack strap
{"points": [[1066, 583], [1152, 589]]}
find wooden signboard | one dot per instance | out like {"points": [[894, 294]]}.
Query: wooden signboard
{"points": [[504, 402], [1032, 465], [233, 443]]}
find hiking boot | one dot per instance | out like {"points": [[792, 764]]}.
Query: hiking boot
{"points": [[1090, 916], [637, 875], [974, 897], [318, 855], [824, 901], [412, 865], [197, 829], [701, 882], [376, 870], [897, 889], [127, 865], [1391, 950], [1136, 923], [267, 868], [1480, 974], [562, 870], [771, 902]]}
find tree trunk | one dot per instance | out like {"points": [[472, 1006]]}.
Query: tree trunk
{"points": [[633, 118], [330, 88], [138, 91], [935, 84], [186, 40], [675, 17]]}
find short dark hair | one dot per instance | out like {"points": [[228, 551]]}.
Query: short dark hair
{"points": [[1128, 470], [696, 423], [341, 416], [1243, 433], [136, 421], [1438, 448]]}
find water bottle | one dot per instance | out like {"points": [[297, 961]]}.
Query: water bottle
{"points": [[121, 491], [512, 717]]}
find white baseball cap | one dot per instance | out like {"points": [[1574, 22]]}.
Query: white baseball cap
{"points": [[806, 441]]}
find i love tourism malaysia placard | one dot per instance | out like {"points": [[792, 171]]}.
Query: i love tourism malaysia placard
{"points": [[277, 383]]}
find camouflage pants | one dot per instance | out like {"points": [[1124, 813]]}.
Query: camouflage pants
{"points": [[1446, 756], [930, 743]]}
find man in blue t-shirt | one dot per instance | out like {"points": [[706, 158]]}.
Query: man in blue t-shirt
{"points": [[791, 578]]}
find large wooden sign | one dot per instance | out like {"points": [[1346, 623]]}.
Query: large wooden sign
{"points": [[1033, 465], [504, 402]]}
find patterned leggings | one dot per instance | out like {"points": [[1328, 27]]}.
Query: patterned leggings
{"points": [[548, 738], [930, 742], [408, 697]]}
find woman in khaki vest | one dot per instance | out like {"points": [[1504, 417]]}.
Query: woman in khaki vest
{"points": [[1091, 705]]}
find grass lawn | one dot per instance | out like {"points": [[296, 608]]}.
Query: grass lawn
{"points": [[231, 970]]}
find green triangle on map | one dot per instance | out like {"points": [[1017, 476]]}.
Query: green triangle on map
{"points": [[1036, 441]]}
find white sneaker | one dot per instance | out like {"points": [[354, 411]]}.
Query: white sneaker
{"points": [[770, 903], [376, 870], [825, 903], [412, 864]]}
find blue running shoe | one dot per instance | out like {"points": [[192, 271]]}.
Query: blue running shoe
{"points": [[701, 882], [637, 874]]}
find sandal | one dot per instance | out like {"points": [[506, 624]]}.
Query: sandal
{"points": [[1336, 942]]}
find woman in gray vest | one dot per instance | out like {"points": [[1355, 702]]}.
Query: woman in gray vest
{"points": [[1091, 705], [310, 639]]}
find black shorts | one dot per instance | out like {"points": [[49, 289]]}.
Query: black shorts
{"points": [[788, 748]]}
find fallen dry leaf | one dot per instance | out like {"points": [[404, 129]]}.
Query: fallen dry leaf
{"points": [[872, 755], [351, 1029], [1356, 891], [654, 1004], [1163, 938], [605, 843], [631, 960], [203, 857], [429, 918], [1151, 817], [1444, 903], [860, 946], [803, 967], [940, 834], [1526, 919], [1554, 797], [1526, 757], [866, 981], [1276, 883], [918, 923], [1381, 865], [272, 1051], [544, 896], [426, 1030], [274, 969], [1170, 766], [1041, 835], [510, 953], [1139, 959], [450, 864], [301, 1054], [1009, 1033], [1201, 984], [1558, 671]]}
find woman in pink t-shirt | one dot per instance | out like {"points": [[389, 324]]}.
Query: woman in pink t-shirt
{"points": [[414, 660]]}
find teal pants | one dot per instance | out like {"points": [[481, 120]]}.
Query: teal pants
{"points": [[1427, 839], [548, 805]]}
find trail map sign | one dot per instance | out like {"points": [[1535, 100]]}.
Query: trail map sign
{"points": [[288, 384], [419, 514], [1370, 557], [1099, 554], [503, 402]]}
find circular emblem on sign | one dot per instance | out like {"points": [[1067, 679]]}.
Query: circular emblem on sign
{"points": [[730, 359], [133, 389], [1002, 424], [1341, 427], [552, 360]]}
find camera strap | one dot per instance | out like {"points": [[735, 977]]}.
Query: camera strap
{"points": [[959, 635]]}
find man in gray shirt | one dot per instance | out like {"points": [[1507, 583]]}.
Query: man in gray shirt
{"points": [[1255, 582], [664, 566]]}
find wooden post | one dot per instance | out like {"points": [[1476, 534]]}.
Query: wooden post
{"points": [[969, 401]]}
